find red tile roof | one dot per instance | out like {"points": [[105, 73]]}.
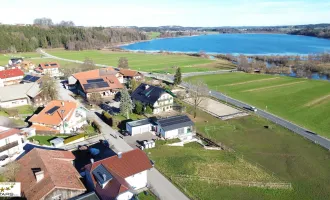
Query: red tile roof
{"points": [[129, 73], [58, 173], [49, 65], [112, 81], [96, 73], [10, 73], [130, 163], [6, 132], [56, 118]]}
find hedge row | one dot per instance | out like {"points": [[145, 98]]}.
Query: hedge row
{"points": [[73, 138]]}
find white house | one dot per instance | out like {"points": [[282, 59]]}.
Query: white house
{"points": [[155, 97], [50, 69], [11, 77], [118, 177], [11, 144], [179, 126], [59, 117]]}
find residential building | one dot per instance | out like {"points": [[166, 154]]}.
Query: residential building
{"points": [[48, 175], [11, 77], [13, 62], [11, 144], [155, 97], [20, 95], [120, 176], [179, 126], [59, 117], [73, 80], [51, 69], [27, 65], [131, 74], [87, 196], [31, 78]]}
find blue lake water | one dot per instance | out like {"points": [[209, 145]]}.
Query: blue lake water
{"points": [[249, 44]]}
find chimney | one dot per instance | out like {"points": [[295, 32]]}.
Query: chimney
{"points": [[92, 160], [39, 175], [119, 154], [147, 86], [62, 103]]}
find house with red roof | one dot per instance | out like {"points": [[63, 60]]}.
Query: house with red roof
{"points": [[11, 77], [119, 176], [51, 69], [10, 144], [48, 174]]}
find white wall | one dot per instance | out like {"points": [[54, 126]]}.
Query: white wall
{"points": [[14, 150], [125, 196], [173, 133], [139, 129], [15, 103], [72, 80], [137, 181]]}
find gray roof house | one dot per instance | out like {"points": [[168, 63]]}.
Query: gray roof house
{"points": [[18, 95]]}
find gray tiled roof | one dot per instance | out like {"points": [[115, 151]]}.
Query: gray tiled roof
{"points": [[147, 94], [88, 196], [13, 92]]}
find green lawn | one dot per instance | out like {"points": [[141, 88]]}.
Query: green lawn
{"points": [[288, 156], [146, 62], [149, 196], [4, 58], [153, 35], [304, 102], [45, 139]]}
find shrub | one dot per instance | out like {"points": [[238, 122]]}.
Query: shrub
{"points": [[138, 108], [96, 126], [107, 118], [73, 138], [148, 110]]}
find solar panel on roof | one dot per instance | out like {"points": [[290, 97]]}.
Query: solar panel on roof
{"points": [[95, 80], [175, 120], [52, 110], [27, 78], [96, 85], [34, 79], [53, 64]]}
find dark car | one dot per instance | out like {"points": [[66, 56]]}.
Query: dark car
{"points": [[4, 157]]}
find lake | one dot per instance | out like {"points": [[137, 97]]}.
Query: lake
{"points": [[249, 44]]}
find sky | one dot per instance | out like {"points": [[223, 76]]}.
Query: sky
{"points": [[206, 13]]}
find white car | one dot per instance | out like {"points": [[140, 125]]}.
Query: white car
{"points": [[254, 109]]}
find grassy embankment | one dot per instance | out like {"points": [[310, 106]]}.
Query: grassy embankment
{"points": [[304, 102]]}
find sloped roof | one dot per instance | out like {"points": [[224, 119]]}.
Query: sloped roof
{"points": [[10, 73], [112, 80], [49, 65], [58, 173], [175, 122], [56, 118], [95, 73], [130, 163], [147, 94], [128, 72], [6, 132], [20, 91]]}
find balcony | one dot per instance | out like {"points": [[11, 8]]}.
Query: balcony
{"points": [[8, 146]]}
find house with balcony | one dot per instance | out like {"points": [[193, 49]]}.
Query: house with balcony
{"points": [[51, 69], [59, 117], [118, 177], [179, 126], [156, 97], [11, 144], [11, 77]]}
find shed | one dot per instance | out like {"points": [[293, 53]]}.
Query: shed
{"points": [[57, 142], [138, 127]]}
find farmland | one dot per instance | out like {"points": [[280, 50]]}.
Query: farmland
{"points": [[146, 62], [277, 151], [301, 101]]}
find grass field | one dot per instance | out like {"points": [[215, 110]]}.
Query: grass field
{"points": [[4, 58], [154, 35], [289, 157], [45, 139], [304, 102], [146, 62]]}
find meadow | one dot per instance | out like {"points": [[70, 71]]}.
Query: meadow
{"points": [[301, 101], [146, 62]]}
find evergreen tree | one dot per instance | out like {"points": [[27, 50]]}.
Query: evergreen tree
{"points": [[138, 108], [126, 104], [178, 76]]}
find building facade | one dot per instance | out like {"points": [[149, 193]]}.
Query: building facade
{"points": [[11, 144]]}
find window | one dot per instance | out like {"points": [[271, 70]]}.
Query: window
{"points": [[57, 197], [7, 140]]}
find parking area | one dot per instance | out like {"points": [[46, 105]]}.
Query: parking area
{"points": [[219, 109], [134, 141]]}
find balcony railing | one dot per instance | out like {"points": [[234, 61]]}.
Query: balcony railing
{"points": [[162, 100], [8, 146]]}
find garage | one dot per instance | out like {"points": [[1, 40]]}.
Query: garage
{"points": [[138, 127]]}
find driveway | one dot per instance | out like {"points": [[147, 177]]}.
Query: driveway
{"points": [[133, 141]]}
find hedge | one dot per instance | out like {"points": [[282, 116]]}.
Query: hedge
{"points": [[107, 118], [73, 138]]}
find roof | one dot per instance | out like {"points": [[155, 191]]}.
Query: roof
{"points": [[57, 140], [52, 113], [49, 65], [31, 78], [128, 72], [10, 73], [175, 122], [6, 132], [88, 196], [147, 94], [20, 91], [130, 163], [58, 173], [95, 73], [140, 122], [44, 128], [109, 82]]}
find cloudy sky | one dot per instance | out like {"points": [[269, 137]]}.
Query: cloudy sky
{"points": [[168, 12]]}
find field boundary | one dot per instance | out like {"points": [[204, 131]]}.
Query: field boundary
{"points": [[269, 185], [274, 86], [316, 101], [252, 81]]}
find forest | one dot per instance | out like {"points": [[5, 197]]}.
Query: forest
{"points": [[28, 38], [321, 33]]}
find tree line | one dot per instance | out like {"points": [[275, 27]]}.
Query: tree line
{"points": [[28, 38], [321, 33]]}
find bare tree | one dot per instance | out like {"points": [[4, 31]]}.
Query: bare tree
{"points": [[43, 21], [66, 23], [95, 98], [88, 65], [49, 88], [197, 91], [243, 63], [10, 171], [123, 63]]}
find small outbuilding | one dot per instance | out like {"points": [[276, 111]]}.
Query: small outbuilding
{"points": [[138, 127], [57, 142]]}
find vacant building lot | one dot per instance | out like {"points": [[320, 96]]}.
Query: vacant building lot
{"points": [[146, 62], [218, 109], [304, 102]]}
